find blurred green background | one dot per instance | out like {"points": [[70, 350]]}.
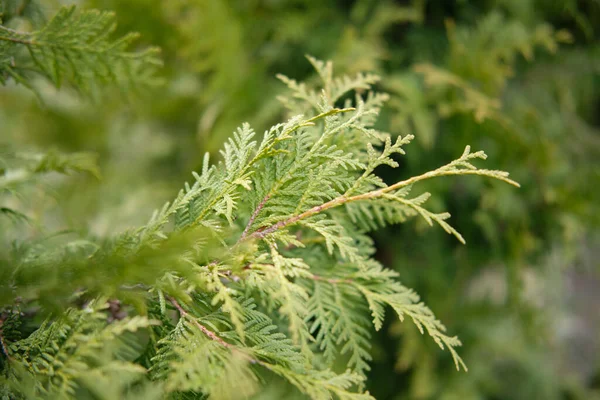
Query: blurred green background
{"points": [[519, 79]]}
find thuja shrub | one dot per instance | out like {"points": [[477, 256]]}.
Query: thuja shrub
{"points": [[259, 272], [262, 268]]}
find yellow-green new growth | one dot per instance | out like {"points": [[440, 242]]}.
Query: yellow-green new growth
{"points": [[263, 265]]}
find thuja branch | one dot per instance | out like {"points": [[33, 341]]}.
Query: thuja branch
{"points": [[460, 166], [451, 169], [264, 152], [294, 377], [203, 329], [299, 169], [17, 40], [77, 47], [28, 39], [253, 217], [213, 336]]}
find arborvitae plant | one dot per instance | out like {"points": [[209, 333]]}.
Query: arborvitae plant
{"points": [[261, 267]]}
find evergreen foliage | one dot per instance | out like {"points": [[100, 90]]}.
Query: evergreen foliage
{"points": [[496, 74], [74, 47], [262, 265]]}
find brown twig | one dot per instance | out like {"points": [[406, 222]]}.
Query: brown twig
{"points": [[15, 40], [205, 330], [253, 217]]}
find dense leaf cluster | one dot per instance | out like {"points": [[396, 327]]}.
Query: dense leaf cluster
{"points": [[501, 75], [75, 47], [262, 265]]}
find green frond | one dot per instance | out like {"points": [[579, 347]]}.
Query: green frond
{"points": [[226, 298], [335, 236], [270, 345], [380, 291], [415, 204], [188, 355], [21, 168], [200, 364], [290, 297], [301, 95], [323, 385], [77, 351], [337, 322], [75, 47]]}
